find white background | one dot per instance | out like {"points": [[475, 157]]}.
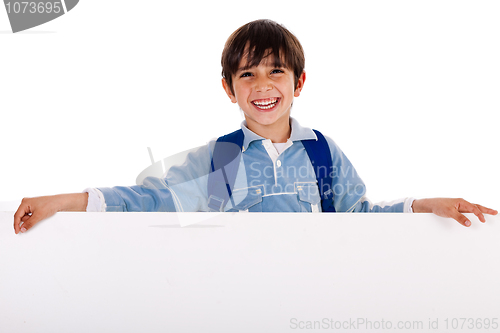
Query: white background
{"points": [[408, 89]]}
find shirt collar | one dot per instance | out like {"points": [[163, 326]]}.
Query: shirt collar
{"points": [[298, 133]]}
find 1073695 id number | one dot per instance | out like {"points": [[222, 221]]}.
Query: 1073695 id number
{"points": [[27, 7], [471, 323]]}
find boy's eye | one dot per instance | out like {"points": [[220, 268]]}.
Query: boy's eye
{"points": [[246, 74], [276, 71]]}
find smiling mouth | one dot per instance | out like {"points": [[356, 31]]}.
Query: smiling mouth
{"points": [[266, 104]]}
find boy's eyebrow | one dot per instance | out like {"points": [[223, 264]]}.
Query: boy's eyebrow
{"points": [[247, 67], [244, 68]]}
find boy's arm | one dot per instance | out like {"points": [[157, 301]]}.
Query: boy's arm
{"points": [[364, 205], [182, 189], [154, 195], [350, 191], [33, 210], [447, 207]]}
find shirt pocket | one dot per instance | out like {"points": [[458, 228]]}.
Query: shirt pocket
{"points": [[248, 199], [308, 196]]}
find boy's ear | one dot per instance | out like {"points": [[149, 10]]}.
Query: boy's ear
{"points": [[228, 91], [300, 84]]}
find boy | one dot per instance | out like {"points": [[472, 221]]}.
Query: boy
{"points": [[271, 169]]}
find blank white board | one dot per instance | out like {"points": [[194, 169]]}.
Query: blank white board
{"points": [[254, 272]]}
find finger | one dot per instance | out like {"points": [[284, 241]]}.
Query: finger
{"points": [[467, 207], [24, 219], [30, 221], [487, 210], [478, 213], [460, 218], [19, 214]]}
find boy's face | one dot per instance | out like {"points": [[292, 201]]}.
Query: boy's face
{"points": [[265, 93]]}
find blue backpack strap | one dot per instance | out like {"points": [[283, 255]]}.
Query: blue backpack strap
{"points": [[226, 158], [321, 159]]}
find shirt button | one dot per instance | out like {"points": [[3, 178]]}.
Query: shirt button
{"points": [[278, 163]]}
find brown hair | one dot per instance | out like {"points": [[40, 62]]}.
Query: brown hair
{"points": [[257, 40]]}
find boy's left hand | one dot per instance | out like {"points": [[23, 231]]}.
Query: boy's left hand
{"points": [[446, 207]]}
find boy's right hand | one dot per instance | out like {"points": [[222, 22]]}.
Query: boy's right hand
{"points": [[33, 210]]}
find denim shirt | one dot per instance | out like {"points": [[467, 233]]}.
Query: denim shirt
{"points": [[266, 182]]}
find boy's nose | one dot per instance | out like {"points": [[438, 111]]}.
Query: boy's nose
{"points": [[263, 85]]}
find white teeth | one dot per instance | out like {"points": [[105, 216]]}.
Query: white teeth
{"points": [[266, 107], [266, 104]]}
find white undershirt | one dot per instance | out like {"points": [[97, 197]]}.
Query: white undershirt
{"points": [[280, 147]]}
